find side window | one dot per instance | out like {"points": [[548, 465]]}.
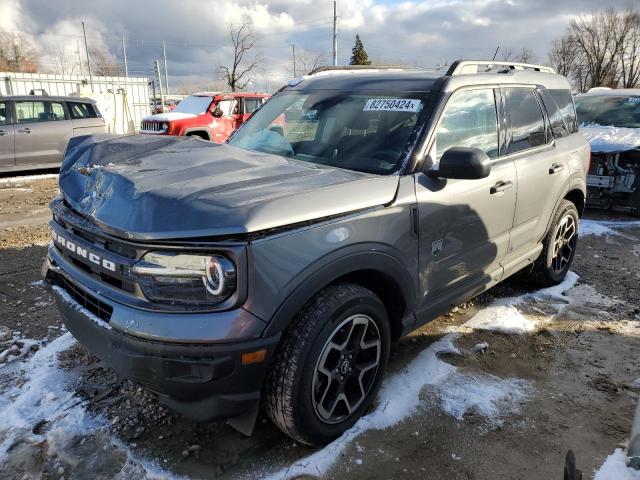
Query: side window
{"points": [[228, 107], [469, 120], [81, 110], [29, 112], [527, 122], [558, 126], [251, 104], [568, 110], [57, 111], [4, 113]]}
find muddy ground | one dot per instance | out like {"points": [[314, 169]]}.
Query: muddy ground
{"points": [[576, 382]]}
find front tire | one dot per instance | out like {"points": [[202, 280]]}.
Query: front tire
{"points": [[559, 247], [329, 365]]}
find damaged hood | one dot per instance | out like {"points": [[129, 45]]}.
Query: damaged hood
{"points": [[164, 187], [611, 139]]}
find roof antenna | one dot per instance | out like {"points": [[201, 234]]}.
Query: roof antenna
{"points": [[494, 55]]}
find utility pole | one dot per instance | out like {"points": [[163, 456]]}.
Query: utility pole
{"points": [[124, 54], [293, 48], [80, 58], [86, 48], [159, 75], [166, 75], [335, 34]]}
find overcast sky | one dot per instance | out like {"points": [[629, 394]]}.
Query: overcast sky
{"points": [[422, 33]]}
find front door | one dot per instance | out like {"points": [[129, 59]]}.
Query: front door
{"points": [[228, 122], [42, 132], [464, 225], [7, 147]]}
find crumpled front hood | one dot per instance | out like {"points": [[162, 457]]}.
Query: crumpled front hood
{"points": [[164, 187], [611, 139]]}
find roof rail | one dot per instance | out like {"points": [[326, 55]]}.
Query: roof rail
{"points": [[329, 68], [461, 67]]}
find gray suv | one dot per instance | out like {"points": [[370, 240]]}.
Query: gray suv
{"points": [[351, 209], [34, 130]]}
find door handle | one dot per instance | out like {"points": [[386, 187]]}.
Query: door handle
{"points": [[501, 187], [555, 168], [25, 130], [3, 133]]}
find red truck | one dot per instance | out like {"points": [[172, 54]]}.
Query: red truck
{"points": [[210, 115]]}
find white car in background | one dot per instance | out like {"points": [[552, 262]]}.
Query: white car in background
{"points": [[610, 121]]}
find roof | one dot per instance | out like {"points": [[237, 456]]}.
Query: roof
{"points": [[46, 97], [459, 74], [230, 94], [615, 92]]}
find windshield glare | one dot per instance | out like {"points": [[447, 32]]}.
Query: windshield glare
{"points": [[193, 104], [368, 132], [609, 110]]}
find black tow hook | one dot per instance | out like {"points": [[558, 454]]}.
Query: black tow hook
{"points": [[570, 470]]}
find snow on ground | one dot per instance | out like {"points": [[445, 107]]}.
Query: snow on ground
{"points": [[457, 391], [607, 227], [615, 468], [26, 178]]}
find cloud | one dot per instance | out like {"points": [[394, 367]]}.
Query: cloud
{"points": [[415, 32]]}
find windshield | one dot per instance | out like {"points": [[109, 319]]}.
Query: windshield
{"points": [[368, 132], [193, 104], [617, 111]]}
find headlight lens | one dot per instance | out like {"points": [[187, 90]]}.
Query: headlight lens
{"points": [[165, 127], [184, 279]]}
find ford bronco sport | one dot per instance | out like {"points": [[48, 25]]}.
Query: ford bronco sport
{"points": [[351, 209]]}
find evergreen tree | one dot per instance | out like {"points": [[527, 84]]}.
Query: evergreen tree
{"points": [[359, 54]]}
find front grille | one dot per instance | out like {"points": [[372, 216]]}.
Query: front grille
{"points": [[152, 127], [88, 301]]}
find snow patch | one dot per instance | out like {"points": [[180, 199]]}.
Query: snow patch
{"points": [[73, 304], [606, 227], [503, 319], [615, 468], [399, 398], [26, 178], [605, 139]]}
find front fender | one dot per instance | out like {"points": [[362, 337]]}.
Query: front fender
{"points": [[351, 259]]}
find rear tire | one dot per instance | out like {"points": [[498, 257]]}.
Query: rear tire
{"points": [[559, 247], [329, 365]]}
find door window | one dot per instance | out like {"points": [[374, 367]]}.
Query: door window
{"points": [[79, 110], [527, 122], [4, 113], [30, 112], [228, 107], [251, 104], [469, 120]]}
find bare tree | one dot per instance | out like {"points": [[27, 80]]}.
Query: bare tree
{"points": [[562, 56], [238, 75], [630, 57], [508, 55], [65, 61], [102, 63], [307, 61], [17, 53], [525, 55]]}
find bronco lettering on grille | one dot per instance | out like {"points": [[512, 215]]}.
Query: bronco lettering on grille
{"points": [[82, 252]]}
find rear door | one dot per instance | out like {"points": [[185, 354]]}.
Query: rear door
{"points": [[42, 132], [85, 118], [543, 171], [464, 225], [7, 136]]}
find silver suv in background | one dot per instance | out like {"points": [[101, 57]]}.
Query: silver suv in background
{"points": [[35, 130], [350, 209]]}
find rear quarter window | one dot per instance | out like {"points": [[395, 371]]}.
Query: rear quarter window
{"points": [[80, 110], [564, 100], [559, 127]]}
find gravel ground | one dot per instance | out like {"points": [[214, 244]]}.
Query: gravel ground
{"points": [[575, 378]]}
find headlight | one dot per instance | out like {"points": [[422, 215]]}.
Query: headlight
{"points": [[165, 127], [201, 280]]}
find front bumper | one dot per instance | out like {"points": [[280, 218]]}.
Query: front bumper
{"points": [[202, 381]]}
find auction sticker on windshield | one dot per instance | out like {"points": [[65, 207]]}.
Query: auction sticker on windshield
{"points": [[392, 105]]}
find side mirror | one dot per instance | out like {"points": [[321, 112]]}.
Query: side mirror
{"points": [[465, 163], [217, 112]]}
